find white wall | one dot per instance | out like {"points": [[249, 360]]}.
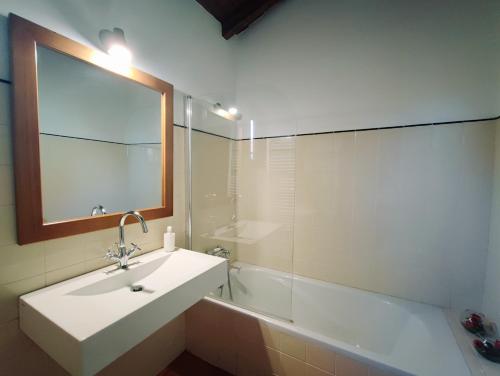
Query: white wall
{"points": [[329, 65], [175, 40]]}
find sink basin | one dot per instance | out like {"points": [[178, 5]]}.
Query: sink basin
{"points": [[118, 279], [87, 322]]}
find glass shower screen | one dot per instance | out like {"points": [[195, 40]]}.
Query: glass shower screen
{"points": [[242, 208]]}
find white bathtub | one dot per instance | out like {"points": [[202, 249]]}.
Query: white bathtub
{"points": [[399, 335]]}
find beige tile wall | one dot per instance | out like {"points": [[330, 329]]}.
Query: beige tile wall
{"points": [[266, 194], [403, 212], [244, 345], [213, 202], [491, 299], [33, 266]]}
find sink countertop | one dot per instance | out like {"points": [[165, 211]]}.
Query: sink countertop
{"points": [[86, 322]]}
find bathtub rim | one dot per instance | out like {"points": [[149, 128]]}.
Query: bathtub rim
{"points": [[332, 344], [287, 325]]}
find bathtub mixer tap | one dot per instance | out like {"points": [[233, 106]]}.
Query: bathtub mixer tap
{"points": [[220, 251]]}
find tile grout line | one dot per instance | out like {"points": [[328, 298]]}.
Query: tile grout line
{"points": [[22, 279]]}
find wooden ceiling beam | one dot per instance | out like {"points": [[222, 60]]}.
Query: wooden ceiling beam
{"points": [[244, 15], [236, 15]]}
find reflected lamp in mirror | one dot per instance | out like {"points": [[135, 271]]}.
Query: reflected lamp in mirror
{"points": [[230, 114]]}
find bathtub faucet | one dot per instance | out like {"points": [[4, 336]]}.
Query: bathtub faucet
{"points": [[220, 252], [224, 253]]}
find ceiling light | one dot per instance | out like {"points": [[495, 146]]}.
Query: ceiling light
{"points": [[232, 110]]}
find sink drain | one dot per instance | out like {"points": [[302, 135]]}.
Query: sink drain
{"points": [[136, 288]]}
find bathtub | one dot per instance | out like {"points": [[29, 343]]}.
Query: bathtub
{"points": [[400, 336]]}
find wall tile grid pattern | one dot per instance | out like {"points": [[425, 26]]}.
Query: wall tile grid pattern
{"points": [[266, 180], [213, 202], [404, 211], [244, 345], [33, 266]]}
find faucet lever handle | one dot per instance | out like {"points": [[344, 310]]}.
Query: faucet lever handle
{"points": [[110, 255], [134, 248]]}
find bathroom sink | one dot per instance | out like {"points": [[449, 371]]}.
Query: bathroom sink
{"points": [[118, 279], [87, 322]]}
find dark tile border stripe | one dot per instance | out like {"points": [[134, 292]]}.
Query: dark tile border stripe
{"points": [[205, 132], [292, 135], [95, 140], [304, 134], [377, 128]]}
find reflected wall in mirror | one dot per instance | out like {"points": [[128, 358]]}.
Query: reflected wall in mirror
{"points": [[91, 140], [100, 140]]}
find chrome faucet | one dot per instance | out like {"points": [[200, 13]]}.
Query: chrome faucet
{"points": [[122, 254], [220, 252], [224, 253], [99, 209]]}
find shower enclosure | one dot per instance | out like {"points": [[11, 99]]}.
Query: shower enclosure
{"points": [[242, 193], [408, 214]]}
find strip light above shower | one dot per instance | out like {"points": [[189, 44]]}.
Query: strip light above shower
{"points": [[230, 114]]}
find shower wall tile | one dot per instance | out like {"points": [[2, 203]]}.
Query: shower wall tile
{"points": [[266, 196], [398, 211], [401, 211], [213, 199], [468, 257], [491, 298]]}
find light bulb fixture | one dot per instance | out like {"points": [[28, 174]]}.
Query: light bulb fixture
{"points": [[115, 45], [231, 114]]}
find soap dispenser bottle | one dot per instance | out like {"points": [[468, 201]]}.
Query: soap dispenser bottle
{"points": [[169, 240]]}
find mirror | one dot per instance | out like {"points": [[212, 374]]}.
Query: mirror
{"points": [[100, 140], [92, 139]]}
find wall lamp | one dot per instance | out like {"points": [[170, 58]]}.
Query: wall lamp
{"points": [[115, 45]]}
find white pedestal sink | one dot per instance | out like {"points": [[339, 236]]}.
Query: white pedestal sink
{"points": [[87, 322]]}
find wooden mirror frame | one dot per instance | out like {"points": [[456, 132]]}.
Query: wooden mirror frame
{"points": [[24, 37]]}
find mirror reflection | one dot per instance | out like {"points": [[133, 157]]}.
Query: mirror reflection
{"points": [[100, 140]]}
